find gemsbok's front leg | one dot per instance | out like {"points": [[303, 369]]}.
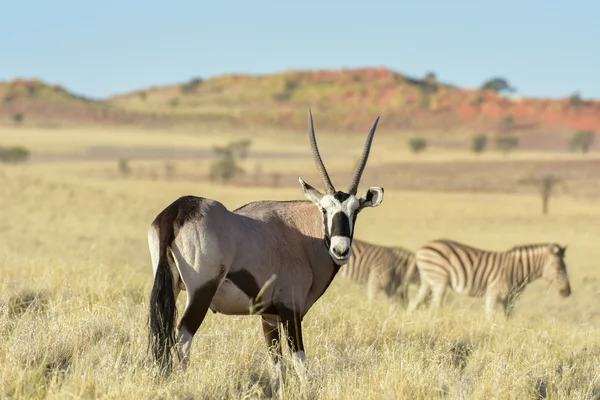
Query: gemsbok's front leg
{"points": [[292, 324], [272, 337]]}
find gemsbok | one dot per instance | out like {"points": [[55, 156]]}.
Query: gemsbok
{"points": [[291, 250], [498, 275]]}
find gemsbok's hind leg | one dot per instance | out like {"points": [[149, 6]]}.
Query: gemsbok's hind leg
{"points": [[201, 284]]}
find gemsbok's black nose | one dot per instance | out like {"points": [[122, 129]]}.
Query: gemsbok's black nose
{"points": [[343, 253]]}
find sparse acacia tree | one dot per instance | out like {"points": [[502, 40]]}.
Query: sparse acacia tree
{"points": [[576, 101], [124, 168], [18, 118], [506, 143], [226, 167], [507, 123], [498, 85], [417, 144], [479, 143], [191, 86], [546, 185], [582, 141]]}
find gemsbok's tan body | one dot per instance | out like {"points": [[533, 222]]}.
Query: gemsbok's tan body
{"points": [[223, 258]]}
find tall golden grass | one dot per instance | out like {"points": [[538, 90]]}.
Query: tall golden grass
{"points": [[75, 278]]}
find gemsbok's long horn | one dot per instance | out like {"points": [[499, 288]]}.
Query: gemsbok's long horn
{"points": [[317, 157], [363, 160]]}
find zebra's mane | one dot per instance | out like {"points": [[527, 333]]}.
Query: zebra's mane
{"points": [[534, 246]]}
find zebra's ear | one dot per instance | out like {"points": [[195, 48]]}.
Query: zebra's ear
{"points": [[372, 198], [558, 250], [310, 192]]}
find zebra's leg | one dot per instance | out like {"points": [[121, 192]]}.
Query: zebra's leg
{"points": [[439, 290], [372, 286], [420, 297], [491, 303], [272, 337]]}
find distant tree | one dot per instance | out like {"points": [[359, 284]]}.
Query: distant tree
{"points": [[498, 85], [169, 169], [174, 102], [17, 154], [417, 144], [226, 167], [430, 78], [582, 141], [428, 88], [287, 92], [275, 179], [241, 148], [191, 86], [18, 118], [546, 185], [507, 123], [575, 100], [123, 166], [479, 143], [257, 173], [143, 95], [506, 143]]}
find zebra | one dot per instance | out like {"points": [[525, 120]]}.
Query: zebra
{"points": [[499, 276], [284, 252], [381, 268]]}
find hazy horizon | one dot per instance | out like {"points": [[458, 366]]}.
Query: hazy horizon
{"points": [[99, 50]]}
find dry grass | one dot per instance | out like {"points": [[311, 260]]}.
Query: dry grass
{"points": [[75, 277]]}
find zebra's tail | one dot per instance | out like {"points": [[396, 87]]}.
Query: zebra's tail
{"points": [[408, 278]]}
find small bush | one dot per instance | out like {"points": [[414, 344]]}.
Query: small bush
{"points": [[191, 86], [169, 169], [124, 168], [174, 102], [582, 141], [17, 154], [507, 143], [18, 118], [417, 145], [479, 143]]}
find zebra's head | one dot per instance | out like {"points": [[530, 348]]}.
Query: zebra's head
{"points": [[340, 209], [555, 269]]}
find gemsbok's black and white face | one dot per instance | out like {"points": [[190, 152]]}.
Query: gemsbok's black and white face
{"points": [[340, 209], [339, 217]]}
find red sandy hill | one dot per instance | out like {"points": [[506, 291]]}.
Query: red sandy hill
{"points": [[341, 100]]}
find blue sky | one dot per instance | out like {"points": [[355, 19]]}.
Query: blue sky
{"points": [[545, 48]]}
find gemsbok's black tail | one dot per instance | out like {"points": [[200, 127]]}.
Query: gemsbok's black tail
{"points": [[163, 309]]}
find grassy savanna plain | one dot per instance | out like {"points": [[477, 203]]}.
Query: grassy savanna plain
{"points": [[75, 273]]}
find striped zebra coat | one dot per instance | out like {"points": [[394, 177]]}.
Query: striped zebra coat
{"points": [[499, 276], [381, 268]]}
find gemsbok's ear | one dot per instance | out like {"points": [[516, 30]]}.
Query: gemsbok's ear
{"points": [[372, 198], [310, 192]]}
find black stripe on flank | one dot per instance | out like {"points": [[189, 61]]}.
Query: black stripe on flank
{"points": [[340, 225], [245, 282], [462, 266], [442, 255]]}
